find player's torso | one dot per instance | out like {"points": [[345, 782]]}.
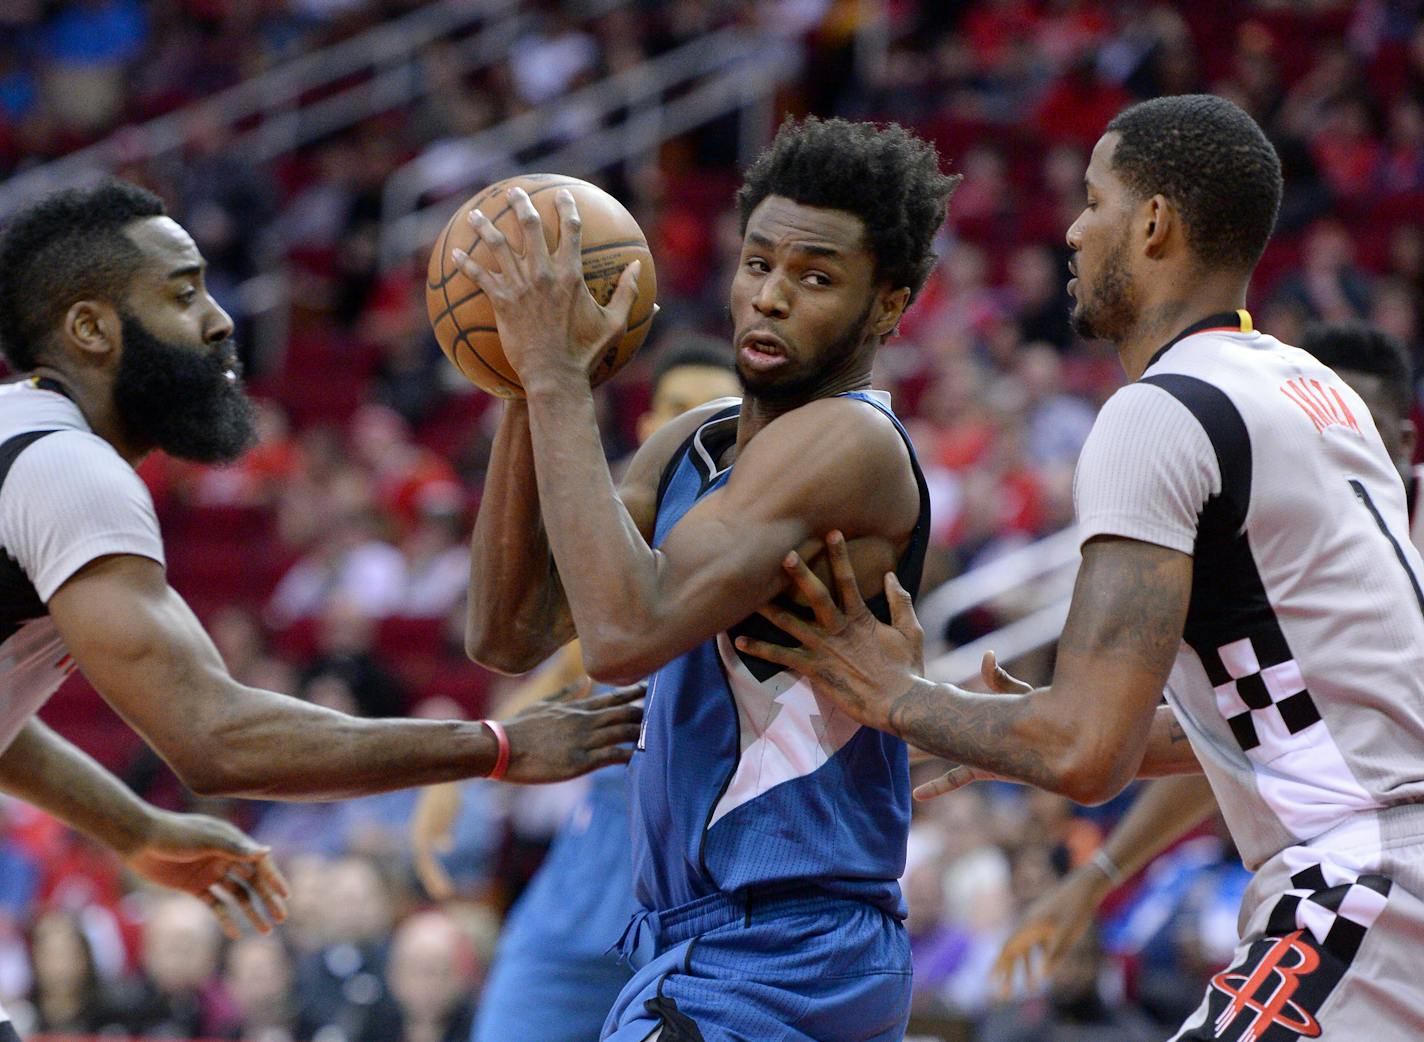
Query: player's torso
{"points": [[1301, 677], [743, 777], [33, 661]]}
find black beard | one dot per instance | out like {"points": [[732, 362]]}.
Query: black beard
{"points": [[180, 400], [800, 386], [1111, 313]]}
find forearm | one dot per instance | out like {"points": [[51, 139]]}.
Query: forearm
{"points": [[1038, 738], [49, 772], [1008, 735], [517, 613], [609, 572], [1165, 812], [1168, 750], [241, 741]]}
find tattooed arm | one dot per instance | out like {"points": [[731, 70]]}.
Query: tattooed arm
{"points": [[1084, 735], [1168, 750]]}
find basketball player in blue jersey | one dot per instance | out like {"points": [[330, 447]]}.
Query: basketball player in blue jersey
{"points": [[1246, 552], [769, 828], [553, 965], [1376, 366]]}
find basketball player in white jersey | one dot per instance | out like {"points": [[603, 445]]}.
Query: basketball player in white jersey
{"points": [[1376, 366], [103, 303], [1246, 550]]}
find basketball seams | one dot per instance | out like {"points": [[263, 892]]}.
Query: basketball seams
{"points": [[477, 292], [464, 347]]}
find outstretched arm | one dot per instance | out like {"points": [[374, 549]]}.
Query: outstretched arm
{"points": [[1083, 736], [1165, 812], [143, 649], [198, 854]]}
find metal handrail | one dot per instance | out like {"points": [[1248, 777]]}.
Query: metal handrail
{"points": [[721, 72], [276, 98], [1045, 566]]}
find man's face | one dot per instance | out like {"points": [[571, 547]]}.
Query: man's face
{"points": [[683, 388], [178, 385], [802, 299], [1396, 428], [1105, 303]]}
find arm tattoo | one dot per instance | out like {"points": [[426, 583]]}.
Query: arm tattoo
{"points": [[1142, 619], [978, 730]]}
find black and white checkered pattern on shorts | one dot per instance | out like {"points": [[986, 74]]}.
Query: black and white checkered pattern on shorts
{"points": [[1337, 914], [1261, 693]]}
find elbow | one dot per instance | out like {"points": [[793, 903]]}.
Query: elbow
{"points": [[613, 659], [498, 652], [1091, 779], [210, 777]]}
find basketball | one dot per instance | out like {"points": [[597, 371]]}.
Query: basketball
{"points": [[461, 315]]}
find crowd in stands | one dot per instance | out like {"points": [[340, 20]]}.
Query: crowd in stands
{"points": [[330, 562]]}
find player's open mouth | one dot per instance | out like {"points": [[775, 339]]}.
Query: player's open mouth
{"points": [[761, 351]]}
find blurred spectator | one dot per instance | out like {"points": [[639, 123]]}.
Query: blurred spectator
{"points": [[176, 994], [431, 975], [1329, 287], [87, 45], [68, 995], [259, 979], [350, 565], [343, 982], [345, 651], [1074, 1009], [437, 556]]}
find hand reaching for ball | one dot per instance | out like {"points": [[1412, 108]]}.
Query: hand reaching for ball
{"points": [[550, 326]]}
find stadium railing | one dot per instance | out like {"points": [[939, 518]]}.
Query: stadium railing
{"points": [[622, 120], [1036, 581]]}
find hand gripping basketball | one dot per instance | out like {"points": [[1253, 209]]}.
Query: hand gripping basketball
{"points": [[549, 324]]}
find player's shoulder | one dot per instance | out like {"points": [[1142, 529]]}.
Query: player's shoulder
{"points": [[76, 460], [848, 435]]}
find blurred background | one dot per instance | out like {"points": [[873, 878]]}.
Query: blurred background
{"points": [[315, 147]]}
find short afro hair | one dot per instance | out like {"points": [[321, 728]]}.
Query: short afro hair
{"points": [[692, 349], [1359, 348], [68, 246], [884, 175], [1213, 162]]}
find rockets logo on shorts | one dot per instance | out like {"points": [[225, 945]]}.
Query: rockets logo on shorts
{"points": [[1276, 992], [1262, 992]]}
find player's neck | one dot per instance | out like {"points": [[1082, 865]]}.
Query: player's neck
{"points": [[1161, 320], [756, 412], [93, 395]]}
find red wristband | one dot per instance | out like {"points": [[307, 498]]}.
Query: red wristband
{"points": [[501, 762]]}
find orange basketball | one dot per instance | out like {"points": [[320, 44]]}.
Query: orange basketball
{"points": [[460, 313]]}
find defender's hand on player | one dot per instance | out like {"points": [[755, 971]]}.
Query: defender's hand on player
{"points": [[848, 654], [568, 734], [999, 681], [548, 320], [217, 864], [1048, 929]]}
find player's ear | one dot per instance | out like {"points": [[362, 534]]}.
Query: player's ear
{"points": [[1158, 218], [891, 305], [93, 327]]}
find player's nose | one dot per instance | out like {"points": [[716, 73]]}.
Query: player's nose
{"points": [[219, 325], [771, 298]]}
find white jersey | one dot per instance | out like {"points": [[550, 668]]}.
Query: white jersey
{"points": [[1300, 679], [66, 498]]}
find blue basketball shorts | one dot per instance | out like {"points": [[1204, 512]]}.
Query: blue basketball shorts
{"points": [[554, 977], [794, 968]]}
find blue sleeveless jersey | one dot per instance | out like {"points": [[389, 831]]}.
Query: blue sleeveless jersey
{"points": [[742, 778]]}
